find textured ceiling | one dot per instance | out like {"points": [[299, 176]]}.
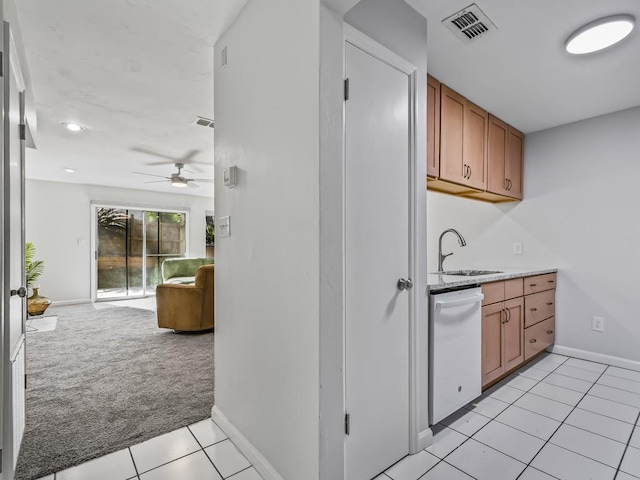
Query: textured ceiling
{"points": [[135, 73], [521, 72]]}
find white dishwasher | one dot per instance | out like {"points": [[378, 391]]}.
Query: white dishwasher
{"points": [[455, 353]]}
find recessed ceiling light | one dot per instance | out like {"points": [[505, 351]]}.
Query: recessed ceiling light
{"points": [[73, 127], [69, 170], [600, 34]]}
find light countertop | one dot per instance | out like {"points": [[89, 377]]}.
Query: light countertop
{"points": [[436, 281]]}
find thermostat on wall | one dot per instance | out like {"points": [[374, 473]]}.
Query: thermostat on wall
{"points": [[230, 176]]}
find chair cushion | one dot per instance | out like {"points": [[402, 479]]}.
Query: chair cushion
{"points": [[182, 267], [181, 280]]}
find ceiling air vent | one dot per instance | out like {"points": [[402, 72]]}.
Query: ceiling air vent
{"points": [[204, 122], [469, 23]]}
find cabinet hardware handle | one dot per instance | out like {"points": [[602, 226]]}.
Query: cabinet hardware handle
{"points": [[470, 171], [506, 184], [533, 284], [510, 184], [533, 340], [549, 332], [503, 319], [551, 281], [549, 303], [534, 309], [509, 312]]}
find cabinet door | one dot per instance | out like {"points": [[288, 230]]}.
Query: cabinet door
{"points": [[452, 105], [433, 127], [492, 345], [474, 152], [515, 158], [513, 333], [497, 156]]}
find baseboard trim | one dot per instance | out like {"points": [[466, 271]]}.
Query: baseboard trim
{"points": [[70, 302], [258, 460], [425, 439], [596, 357]]}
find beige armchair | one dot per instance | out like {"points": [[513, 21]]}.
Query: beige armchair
{"points": [[187, 307]]}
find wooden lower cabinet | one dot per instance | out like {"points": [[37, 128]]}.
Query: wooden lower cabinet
{"points": [[539, 336], [502, 338], [514, 330]]}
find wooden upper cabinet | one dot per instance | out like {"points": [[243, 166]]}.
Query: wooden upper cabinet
{"points": [[515, 156], [474, 152], [452, 108], [504, 159], [497, 156], [433, 127]]}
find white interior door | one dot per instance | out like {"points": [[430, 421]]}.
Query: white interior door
{"points": [[13, 291], [377, 230]]}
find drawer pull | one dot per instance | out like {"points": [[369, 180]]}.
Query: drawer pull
{"points": [[533, 284], [549, 332], [549, 303], [534, 309], [552, 281], [533, 340]]}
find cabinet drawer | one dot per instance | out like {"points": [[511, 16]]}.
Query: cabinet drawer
{"points": [[539, 283], [539, 306], [538, 337], [493, 292], [513, 288]]}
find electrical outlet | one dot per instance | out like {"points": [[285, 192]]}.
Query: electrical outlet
{"points": [[517, 248], [597, 324]]}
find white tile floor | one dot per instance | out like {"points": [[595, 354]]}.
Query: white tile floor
{"points": [[557, 418], [198, 452]]}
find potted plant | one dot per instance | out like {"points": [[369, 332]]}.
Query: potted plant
{"points": [[36, 304]]}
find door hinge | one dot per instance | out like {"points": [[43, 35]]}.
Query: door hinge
{"points": [[346, 89], [25, 381], [347, 424], [23, 131]]}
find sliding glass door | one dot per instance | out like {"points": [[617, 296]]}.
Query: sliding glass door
{"points": [[131, 246]]}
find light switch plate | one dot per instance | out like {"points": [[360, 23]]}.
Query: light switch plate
{"points": [[223, 225], [517, 248]]}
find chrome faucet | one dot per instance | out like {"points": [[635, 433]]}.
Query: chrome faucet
{"points": [[441, 257]]}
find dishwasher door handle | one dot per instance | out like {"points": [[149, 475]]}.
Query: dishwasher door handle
{"points": [[457, 303]]}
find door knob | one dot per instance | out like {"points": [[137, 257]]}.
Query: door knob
{"points": [[405, 284], [21, 292]]}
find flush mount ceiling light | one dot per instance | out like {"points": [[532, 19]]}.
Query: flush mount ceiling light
{"points": [[600, 34], [73, 127]]}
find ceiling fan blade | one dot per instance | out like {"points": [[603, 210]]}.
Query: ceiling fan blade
{"points": [[189, 155], [152, 175], [202, 180], [156, 181], [192, 185], [153, 154]]}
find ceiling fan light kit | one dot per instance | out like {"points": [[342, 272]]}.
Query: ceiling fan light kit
{"points": [[600, 34], [176, 179]]}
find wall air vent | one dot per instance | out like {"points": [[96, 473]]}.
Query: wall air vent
{"points": [[469, 24], [203, 122]]}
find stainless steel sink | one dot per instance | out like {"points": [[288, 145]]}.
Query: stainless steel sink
{"points": [[468, 273]]}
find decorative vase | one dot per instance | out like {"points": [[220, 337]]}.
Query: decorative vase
{"points": [[36, 303]]}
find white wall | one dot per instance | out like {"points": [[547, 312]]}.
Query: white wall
{"points": [[400, 28], [267, 303], [58, 215], [578, 214]]}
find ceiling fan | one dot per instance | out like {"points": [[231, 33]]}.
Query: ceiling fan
{"points": [[177, 179]]}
